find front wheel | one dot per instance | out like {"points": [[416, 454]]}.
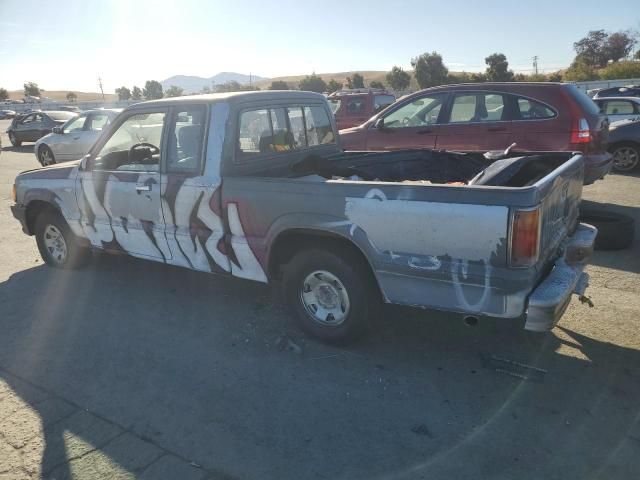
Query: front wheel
{"points": [[45, 156], [14, 141], [332, 295], [626, 157], [57, 244]]}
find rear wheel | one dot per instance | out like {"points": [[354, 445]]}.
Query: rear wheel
{"points": [[626, 157], [45, 156], [57, 244], [14, 141], [331, 294]]}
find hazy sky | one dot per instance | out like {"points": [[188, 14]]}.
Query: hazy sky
{"points": [[67, 44]]}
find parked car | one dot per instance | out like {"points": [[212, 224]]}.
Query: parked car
{"points": [[491, 116], [255, 185], [355, 106], [624, 145], [73, 140], [626, 91], [4, 114], [32, 126], [69, 108], [620, 108]]}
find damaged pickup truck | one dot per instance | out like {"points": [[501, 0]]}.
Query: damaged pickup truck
{"points": [[255, 185]]}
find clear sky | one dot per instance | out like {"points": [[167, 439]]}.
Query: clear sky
{"points": [[67, 44]]}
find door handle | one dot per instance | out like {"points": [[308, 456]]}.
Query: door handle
{"points": [[143, 188], [497, 129]]}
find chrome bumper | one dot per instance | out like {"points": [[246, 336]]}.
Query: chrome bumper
{"points": [[550, 299]]}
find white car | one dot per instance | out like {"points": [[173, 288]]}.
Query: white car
{"points": [[620, 108], [73, 140]]}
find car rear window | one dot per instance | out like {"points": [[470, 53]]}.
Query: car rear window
{"points": [[588, 105]]}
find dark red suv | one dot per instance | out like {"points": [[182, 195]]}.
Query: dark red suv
{"points": [[491, 116], [355, 106]]}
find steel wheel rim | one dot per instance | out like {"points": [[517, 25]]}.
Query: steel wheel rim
{"points": [[55, 244], [45, 156], [325, 298], [625, 158]]}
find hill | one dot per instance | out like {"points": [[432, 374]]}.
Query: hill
{"points": [[194, 84], [369, 76]]}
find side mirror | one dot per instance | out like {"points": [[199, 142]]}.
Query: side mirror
{"points": [[58, 130], [379, 123]]}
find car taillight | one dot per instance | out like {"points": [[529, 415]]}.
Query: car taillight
{"points": [[525, 237], [580, 132]]}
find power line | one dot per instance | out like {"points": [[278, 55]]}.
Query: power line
{"points": [[101, 90]]}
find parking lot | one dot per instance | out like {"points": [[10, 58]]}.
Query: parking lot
{"points": [[130, 369]]}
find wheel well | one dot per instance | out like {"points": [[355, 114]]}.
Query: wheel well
{"points": [[35, 208], [288, 243], [613, 146]]}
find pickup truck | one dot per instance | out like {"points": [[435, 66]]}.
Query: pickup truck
{"points": [[255, 185]]}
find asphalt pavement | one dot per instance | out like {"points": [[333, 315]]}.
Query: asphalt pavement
{"points": [[130, 369]]}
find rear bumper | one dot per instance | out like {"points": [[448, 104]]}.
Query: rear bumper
{"points": [[20, 213], [596, 167], [548, 302]]}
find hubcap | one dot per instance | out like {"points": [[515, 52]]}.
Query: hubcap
{"points": [[46, 157], [55, 243], [325, 298], [625, 158]]}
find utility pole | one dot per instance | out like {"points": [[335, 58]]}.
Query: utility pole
{"points": [[535, 64], [101, 90], [250, 79]]}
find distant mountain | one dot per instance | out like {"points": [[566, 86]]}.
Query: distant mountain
{"points": [[193, 84]]}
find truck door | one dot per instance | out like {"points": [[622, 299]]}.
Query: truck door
{"points": [[119, 189]]}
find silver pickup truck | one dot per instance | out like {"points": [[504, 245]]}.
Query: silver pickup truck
{"points": [[255, 185]]}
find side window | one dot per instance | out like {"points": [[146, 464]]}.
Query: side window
{"points": [[28, 119], [420, 112], [75, 125], [355, 105], [530, 109], [97, 121], [186, 139], [255, 125], [477, 107], [298, 133], [380, 102], [319, 131], [619, 107], [134, 145], [281, 139]]}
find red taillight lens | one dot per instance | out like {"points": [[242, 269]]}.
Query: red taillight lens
{"points": [[580, 132], [525, 237]]}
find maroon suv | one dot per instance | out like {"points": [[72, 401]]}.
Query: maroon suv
{"points": [[491, 116]]}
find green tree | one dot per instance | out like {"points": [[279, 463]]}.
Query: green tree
{"points": [[279, 85], [233, 86], [637, 55], [591, 50], [333, 86], [555, 76], [621, 70], [619, 45], [136, 93], [376, 84], [478, 77], [174, 91], [355, 81], [429, 69], [206, 89], [123, 93], [313, 83], [398, 79], [31, 89], [72, 97], [4, 95], [152, 90], [580, 71], [498, 68]]}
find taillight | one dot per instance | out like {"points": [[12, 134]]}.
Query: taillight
{"points": [[525, 237], [580, 132]]}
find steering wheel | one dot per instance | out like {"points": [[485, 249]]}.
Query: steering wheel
{"points": [[153, 150]]}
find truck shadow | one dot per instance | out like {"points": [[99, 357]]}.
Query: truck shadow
{"points": [[211, 369]]}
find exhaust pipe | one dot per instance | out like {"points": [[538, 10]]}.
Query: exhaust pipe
{"points": [[470, 321]]}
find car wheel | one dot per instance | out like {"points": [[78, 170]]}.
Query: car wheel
{"points": [[615, 231], [14, 141], [626, 157], [332, 295], [45, 156], [57, 244]]}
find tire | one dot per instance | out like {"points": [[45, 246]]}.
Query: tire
{"points": [[57, 244], [14, 141], [342, 282], [615, 231], [45, 156], [626, 156]]}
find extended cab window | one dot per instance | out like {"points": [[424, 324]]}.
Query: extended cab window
{"points": [[134, 145], [530, 109], [421, 111], [186, 139], [477, 107]]}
